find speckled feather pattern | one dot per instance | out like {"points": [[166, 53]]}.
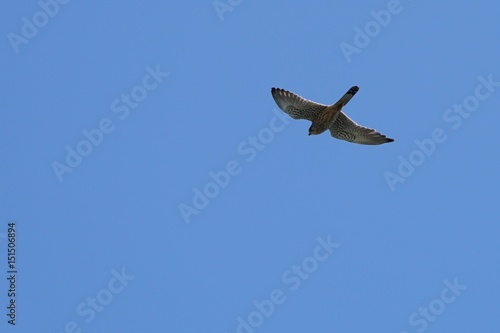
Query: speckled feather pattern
{"points": [[296, 106]]}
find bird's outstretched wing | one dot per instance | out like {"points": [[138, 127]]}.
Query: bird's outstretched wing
{"points": [[296, 106], [345, 129]]}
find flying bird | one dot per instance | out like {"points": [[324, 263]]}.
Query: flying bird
{"points": [[329, 117]]}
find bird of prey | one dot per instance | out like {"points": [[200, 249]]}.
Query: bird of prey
{"points": [[329, 117]]}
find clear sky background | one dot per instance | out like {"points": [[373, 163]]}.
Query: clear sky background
{"points": [[158, 99]]}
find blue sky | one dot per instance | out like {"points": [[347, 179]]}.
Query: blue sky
{"points": [[156, 186]]}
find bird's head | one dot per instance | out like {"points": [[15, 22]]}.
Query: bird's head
{"points": [[312, 130]]}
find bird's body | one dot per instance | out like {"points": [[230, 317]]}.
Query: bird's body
{"points": [[330, 117]]}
